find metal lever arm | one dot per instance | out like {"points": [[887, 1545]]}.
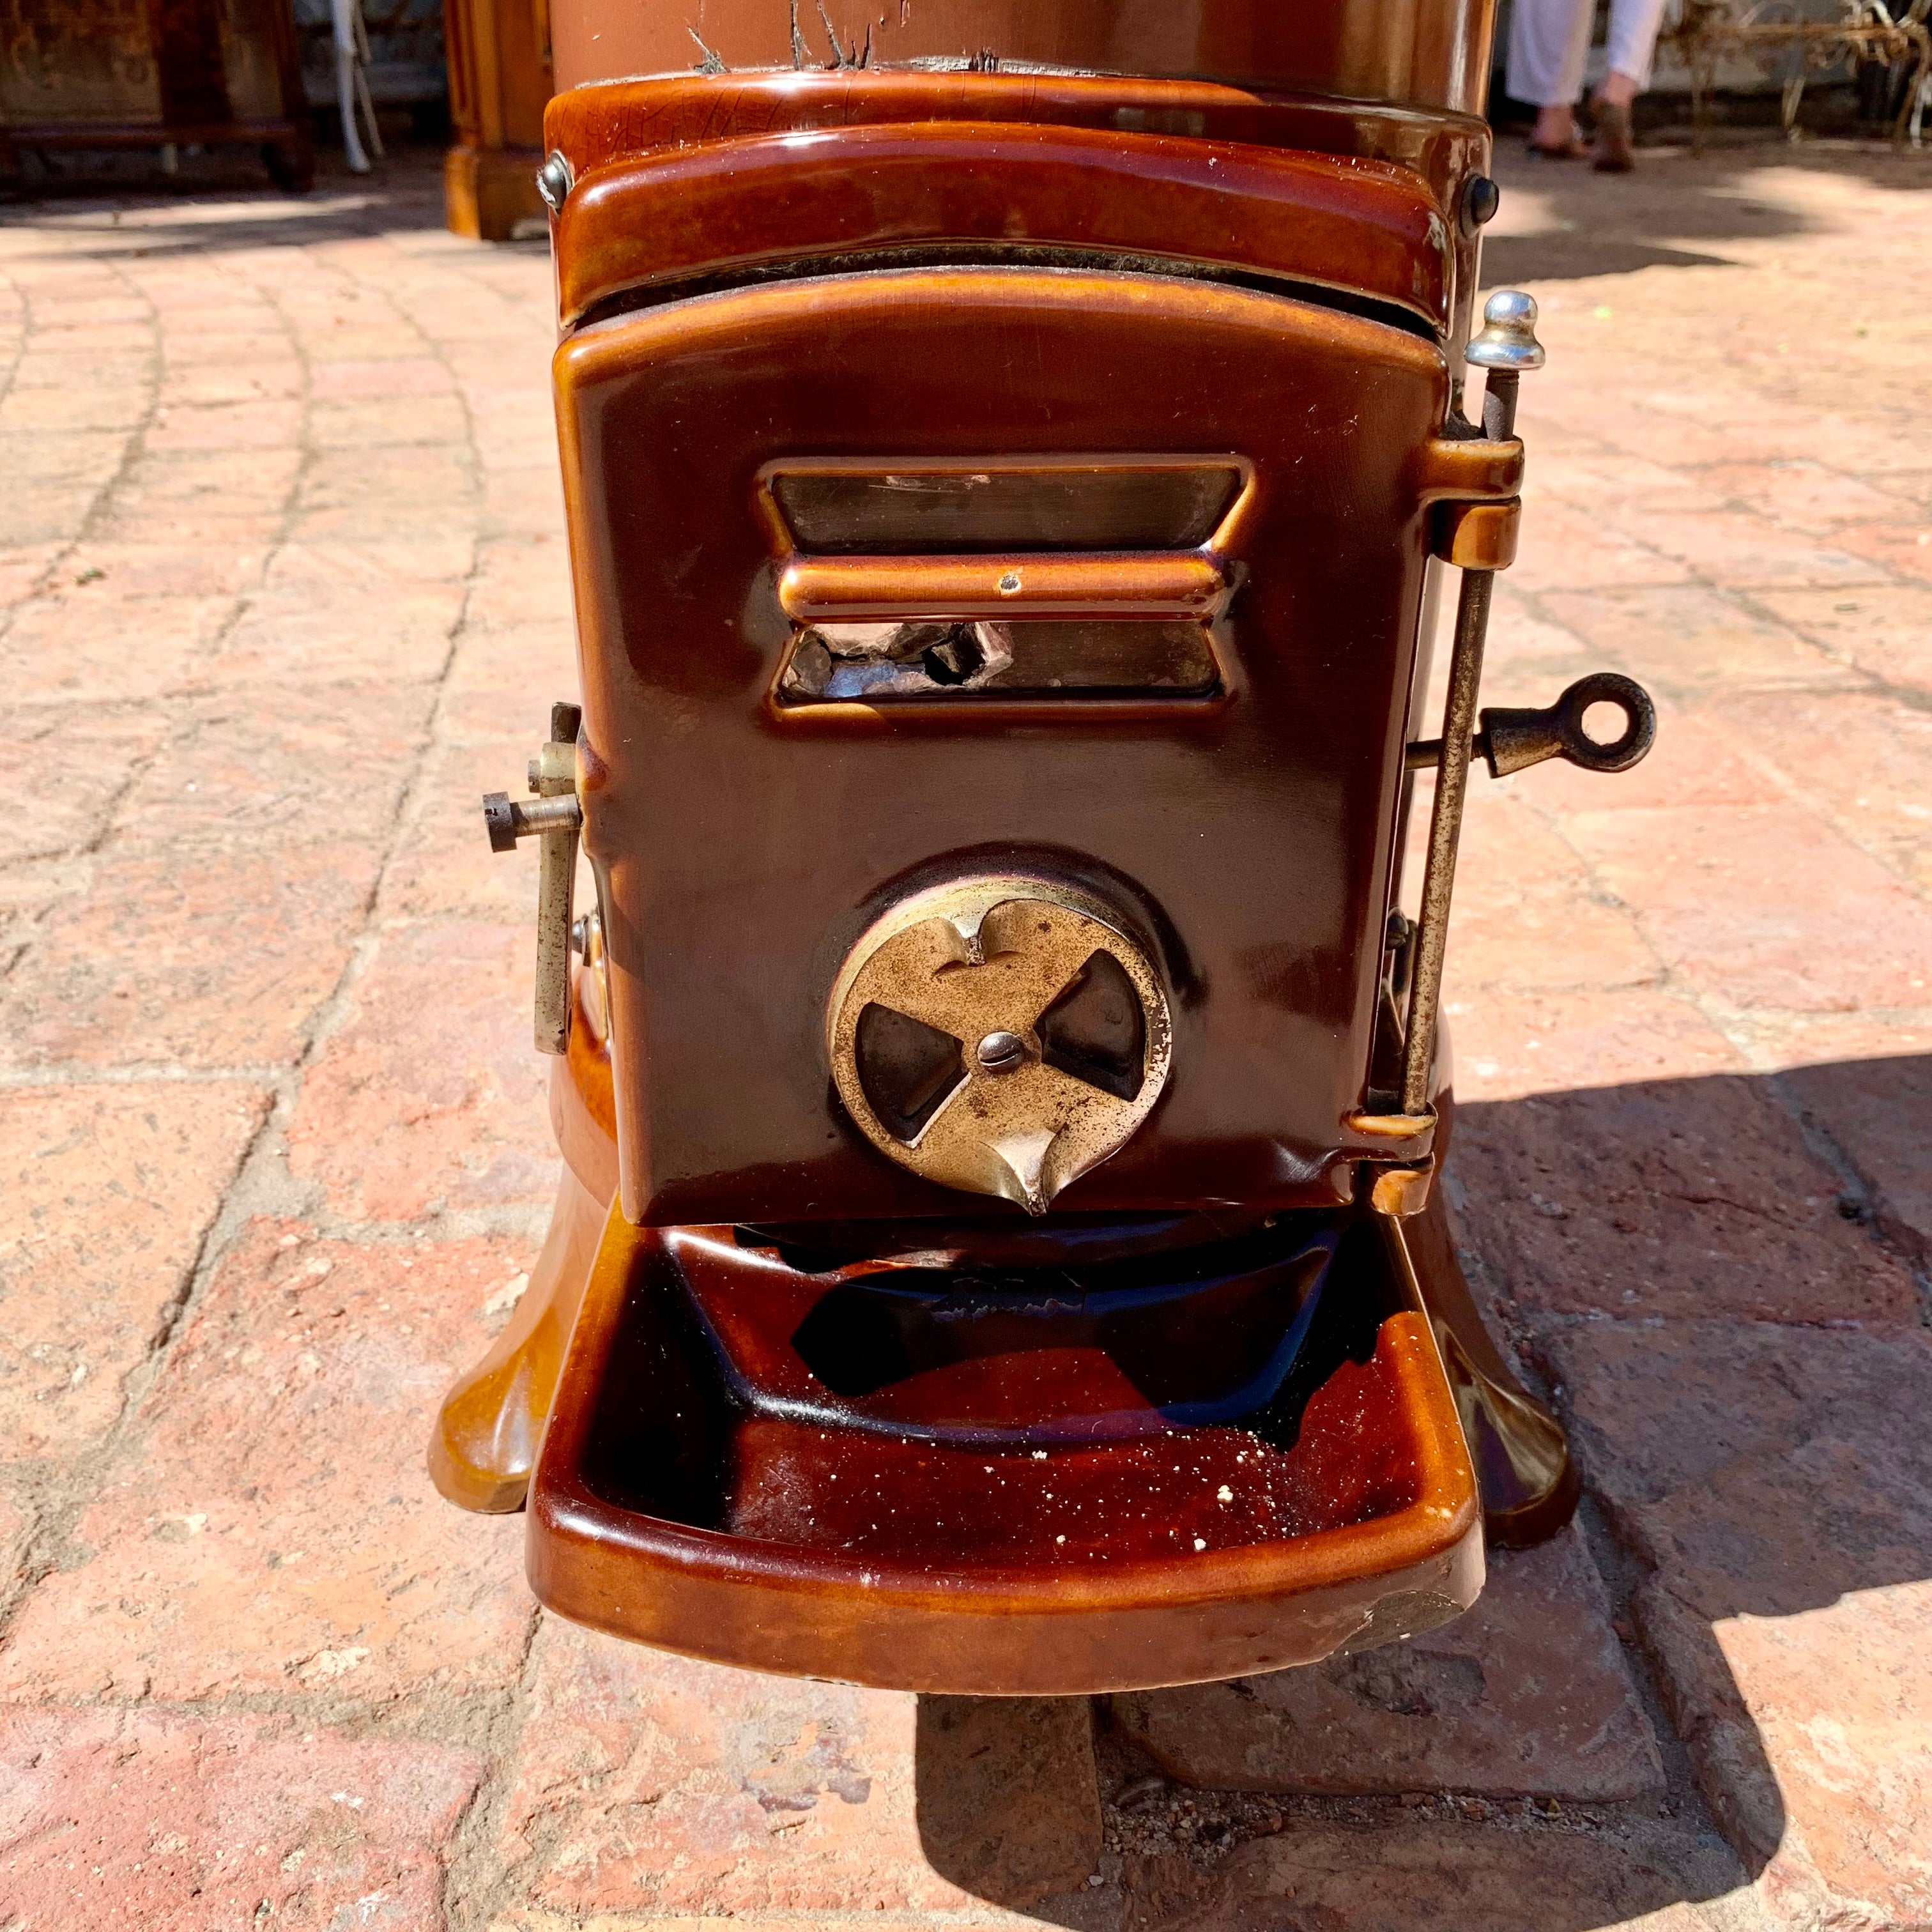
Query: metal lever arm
{"points": [[1513, 740]]}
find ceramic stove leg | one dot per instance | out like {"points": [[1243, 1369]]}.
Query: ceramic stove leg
{"points": [[485, 1441], [1524, 1470]]}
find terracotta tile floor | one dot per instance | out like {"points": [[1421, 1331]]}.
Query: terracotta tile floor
{"points": [[281, 564]]}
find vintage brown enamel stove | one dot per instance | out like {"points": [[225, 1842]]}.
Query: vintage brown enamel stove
{"points": [[1008, 490]]}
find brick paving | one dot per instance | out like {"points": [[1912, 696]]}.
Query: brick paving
{"points": [[281, 565]]}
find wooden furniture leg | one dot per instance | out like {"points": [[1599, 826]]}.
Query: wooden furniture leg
{"points": [[487, 1434], [499, 79]]}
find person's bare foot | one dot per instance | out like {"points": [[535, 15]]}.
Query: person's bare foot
{"points": [[1554, 135]]}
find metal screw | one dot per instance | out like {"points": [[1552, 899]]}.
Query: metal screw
{"points": [[508, 819], [555, 179], [1481, 199], [1001, 1052]]}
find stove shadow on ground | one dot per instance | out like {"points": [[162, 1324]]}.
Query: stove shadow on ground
{"points": [[1756, 1465]]}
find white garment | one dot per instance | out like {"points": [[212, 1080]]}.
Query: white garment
{"points": [[352, 82], [1549, 45]]}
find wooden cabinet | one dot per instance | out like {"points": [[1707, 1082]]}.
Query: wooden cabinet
{"points": [[144, 74], [499, 82]]}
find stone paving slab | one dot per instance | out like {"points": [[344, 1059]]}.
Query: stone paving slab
{"points": [[148, 1821], [272, 1536], [109, 1192], [1801, 1695], [1420, 1876], [426, 1098], [1528, 1696], [1683, 1198], [1861, 1106], [283, 585], [682, 1789], [1763, 1476]]}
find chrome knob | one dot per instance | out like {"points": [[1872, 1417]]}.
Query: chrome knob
{"points": [[1506, 340]]}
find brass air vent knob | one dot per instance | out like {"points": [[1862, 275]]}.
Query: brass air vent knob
{"points": [[1000, 1035]]}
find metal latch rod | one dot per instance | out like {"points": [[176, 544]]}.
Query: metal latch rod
{"points": [[1504, 347], [554, 817]]}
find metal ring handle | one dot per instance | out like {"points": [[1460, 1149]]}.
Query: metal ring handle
{"points": [[1512, 741], [1639, 731]]}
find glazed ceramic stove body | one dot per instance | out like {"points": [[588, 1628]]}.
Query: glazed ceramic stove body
{"points": [[1006, 484]]}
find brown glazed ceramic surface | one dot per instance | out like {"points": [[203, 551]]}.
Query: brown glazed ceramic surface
{"points": [[598, 128], [1423, 53], [1207, 1415], [487, 1432], [1371, 228], [484, 1448], [1254, 863], [584, 1110], [699, 1490]]}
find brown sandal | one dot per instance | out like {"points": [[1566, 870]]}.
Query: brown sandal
{"points": [[1574, 149], [1615, 153]]}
